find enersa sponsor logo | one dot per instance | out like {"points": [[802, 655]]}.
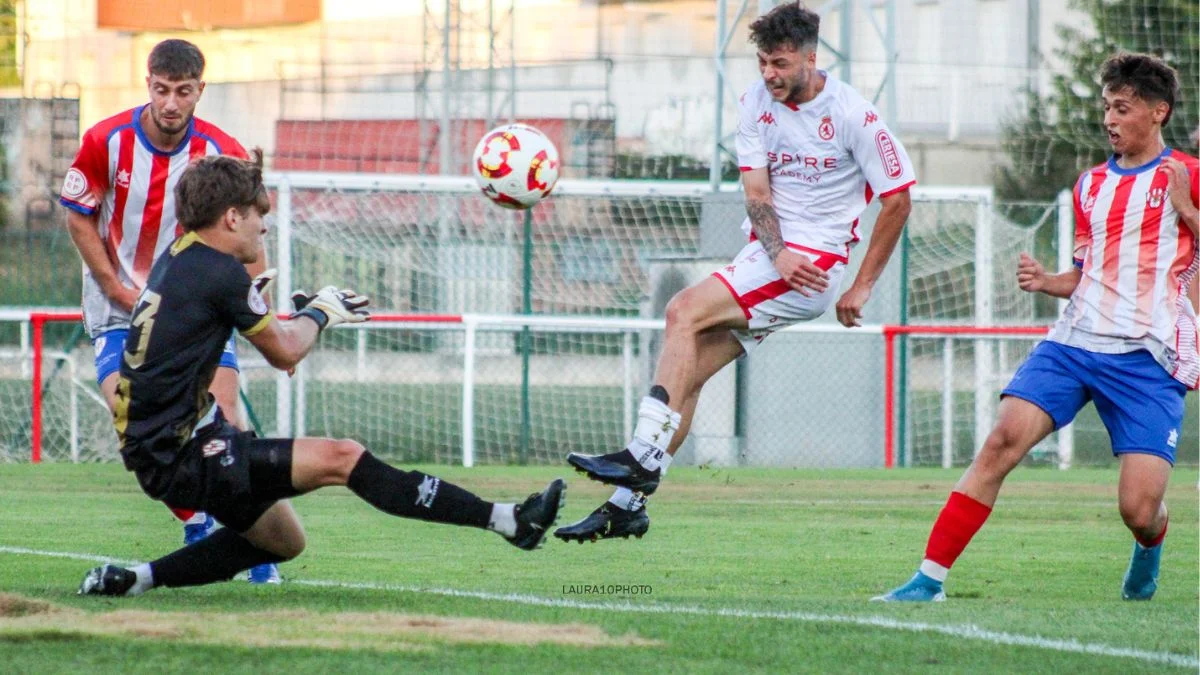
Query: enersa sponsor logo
{"points": [[892, 167]]}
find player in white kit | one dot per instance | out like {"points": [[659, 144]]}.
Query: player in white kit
{"points": [[813, 153]]}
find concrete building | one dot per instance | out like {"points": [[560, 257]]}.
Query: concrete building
{"points": [[959, 65]]}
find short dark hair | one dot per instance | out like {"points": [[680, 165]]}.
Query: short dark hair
{"points": [[176, 60], [214, 184], [791, 24], [1150, 78]]}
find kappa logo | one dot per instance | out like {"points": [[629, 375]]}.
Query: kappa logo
{"points": [[1088, 204], [213, 448], [1155, 197], [766, 118], [427, 491], [870, 119], [729, 269], [123, 178], [1173, 437], [825, 130]]}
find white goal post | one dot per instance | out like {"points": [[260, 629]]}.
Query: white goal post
{"points": [[446, 267], [82, 421]]}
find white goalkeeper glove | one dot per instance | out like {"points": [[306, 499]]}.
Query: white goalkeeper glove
{"points": [[331, 306], [262, 283]]}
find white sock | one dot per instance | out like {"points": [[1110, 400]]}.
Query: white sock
{"points": [[934, 571], [655, 427], [145, 580], [198, 518], [503, 520], [665, 462], [624, 498]]}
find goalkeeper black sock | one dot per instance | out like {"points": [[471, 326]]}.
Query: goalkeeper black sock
{"points": [[412, 494], [217, 557]]}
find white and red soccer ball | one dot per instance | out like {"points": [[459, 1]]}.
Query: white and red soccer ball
{"points": [[515, 165]]}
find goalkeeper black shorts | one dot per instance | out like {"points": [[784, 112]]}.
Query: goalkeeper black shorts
{"points": [[232, 474]]}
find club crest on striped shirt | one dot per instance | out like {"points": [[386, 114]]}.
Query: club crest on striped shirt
{"points": [[1155, 197]]}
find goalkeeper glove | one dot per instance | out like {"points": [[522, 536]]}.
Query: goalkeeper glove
{"points": [[262, 283], [329, 306]]}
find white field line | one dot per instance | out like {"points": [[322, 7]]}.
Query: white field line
{"points": [[968, 632]]}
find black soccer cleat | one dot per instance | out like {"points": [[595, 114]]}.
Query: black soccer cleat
{"points": [[607, 522], [619, 468], [537, 514], [108, 580]]}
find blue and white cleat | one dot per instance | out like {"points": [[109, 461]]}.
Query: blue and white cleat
{"points": [[920, 588], [1141, 579], [267, 573], [197, 531]]}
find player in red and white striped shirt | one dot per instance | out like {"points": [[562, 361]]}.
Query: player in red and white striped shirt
{"points": [[120, 196], [1127, 339]]}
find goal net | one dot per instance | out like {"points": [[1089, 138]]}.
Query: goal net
{"points": [[446, 270]]}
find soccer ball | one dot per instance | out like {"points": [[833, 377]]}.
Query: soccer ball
{"points": [[516, 166]]}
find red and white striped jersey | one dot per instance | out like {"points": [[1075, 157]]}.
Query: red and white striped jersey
{"points": [[131, 185], [826, 159], [1137, 258]]}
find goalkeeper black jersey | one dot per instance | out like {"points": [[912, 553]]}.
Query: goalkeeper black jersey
{"points": [[194, 298]]}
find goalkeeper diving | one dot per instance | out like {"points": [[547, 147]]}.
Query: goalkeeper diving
{"points": [[184, 452]]}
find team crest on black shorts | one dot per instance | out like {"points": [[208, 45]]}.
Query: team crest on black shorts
{"points": [[214, 447]]}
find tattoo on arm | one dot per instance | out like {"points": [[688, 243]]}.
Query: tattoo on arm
{"points": [[765, 224]]}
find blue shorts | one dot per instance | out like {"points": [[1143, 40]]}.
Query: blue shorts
{"points": [[1140, 404], [109, 346]]}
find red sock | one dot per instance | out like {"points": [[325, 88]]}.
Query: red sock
{"points": [[959, 520], [1157, 540], [182, 514]]}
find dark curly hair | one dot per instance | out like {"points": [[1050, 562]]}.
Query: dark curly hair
{"points": [[176, 60], [216, 183], [791, 24], [1150, 78]]}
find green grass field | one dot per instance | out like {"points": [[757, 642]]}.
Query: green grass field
{"points": [[742, 571]]}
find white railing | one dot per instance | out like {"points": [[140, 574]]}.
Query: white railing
{"points": [[366, 366]]}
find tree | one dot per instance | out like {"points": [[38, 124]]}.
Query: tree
{"points": [[1060, 134]]}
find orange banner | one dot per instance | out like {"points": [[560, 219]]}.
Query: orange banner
{"points": [[203, 14]]}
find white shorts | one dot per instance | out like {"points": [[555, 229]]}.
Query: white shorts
{"points": [[768, 302]]}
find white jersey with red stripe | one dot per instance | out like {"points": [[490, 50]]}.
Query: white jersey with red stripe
{"points": [[1136, 258], [130, 185], [826, 159]]}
